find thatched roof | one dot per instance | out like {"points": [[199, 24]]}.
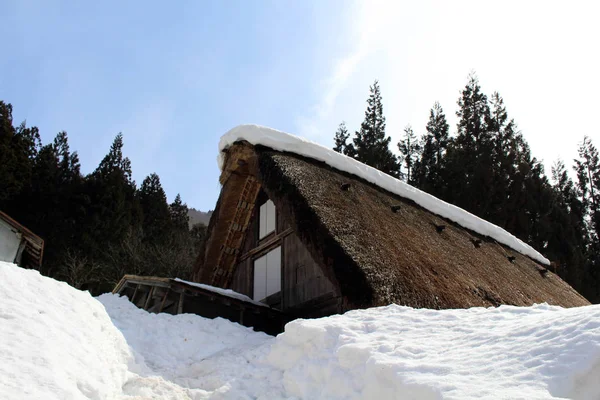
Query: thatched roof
{"points": [[378, 247], [380, 256]]}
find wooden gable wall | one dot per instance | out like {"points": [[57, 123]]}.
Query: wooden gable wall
{"points": [[306, 291]]}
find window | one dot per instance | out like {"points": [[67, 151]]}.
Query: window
{"points": [[267, 274], [266, 219]]}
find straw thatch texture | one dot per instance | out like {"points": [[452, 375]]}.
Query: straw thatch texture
{"points": [[407, 255]]}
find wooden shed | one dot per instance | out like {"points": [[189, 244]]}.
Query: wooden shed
{"points": [[311, 240], [175, 296]]}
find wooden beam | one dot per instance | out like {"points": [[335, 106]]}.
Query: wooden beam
{"points": [[119, 285], [134, 293], [180, 303], [271, 242], [150, 293], [162, 303]]}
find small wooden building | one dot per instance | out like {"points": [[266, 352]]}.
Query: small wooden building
{"points": [[311, 240], [18, 244], [175, 296]]}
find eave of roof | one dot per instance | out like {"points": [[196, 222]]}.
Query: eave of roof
{"points": [[285, 142]]}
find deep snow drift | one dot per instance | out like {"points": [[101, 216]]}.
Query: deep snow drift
{"points": [[281, 141], [59, 343]]}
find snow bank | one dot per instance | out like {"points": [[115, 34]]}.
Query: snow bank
{"points": [[281, 141], [212, 356], [56, 342], [394, 352], [59, 343]]}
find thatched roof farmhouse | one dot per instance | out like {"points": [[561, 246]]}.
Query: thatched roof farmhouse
{"points": [[312, 232]]}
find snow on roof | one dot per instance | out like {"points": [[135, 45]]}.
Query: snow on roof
{"points": [[281, 141], [224, 292]]}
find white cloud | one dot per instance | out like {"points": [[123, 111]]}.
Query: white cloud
{"points": [[540, 56]]}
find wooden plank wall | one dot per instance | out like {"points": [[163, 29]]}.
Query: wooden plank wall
{"points": [[303, 282], [303, 279]]}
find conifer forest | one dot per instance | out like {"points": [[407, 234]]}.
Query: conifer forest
{"points": [[96, 227]]}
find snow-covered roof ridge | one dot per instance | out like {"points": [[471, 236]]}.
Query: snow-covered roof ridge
{"points": [[281, 141]]}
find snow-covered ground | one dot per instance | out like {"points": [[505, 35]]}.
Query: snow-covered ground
{"points": [[60, 343]]}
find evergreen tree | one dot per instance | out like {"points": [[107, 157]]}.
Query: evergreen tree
{"points": [[588, 175], [568, 239], [92, 226], [587, 167], [114, 162], [7, 158], [409, 148], [179, 214], [341, 138], [470, 156], [52, 202], [156, 214], [68, 161], [507, 150], [18, 148], [113, 210], [28, 140], [430, 167], [371, 145]]}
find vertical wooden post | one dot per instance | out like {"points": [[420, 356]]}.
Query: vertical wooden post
{"points": [[180, 304], [150, 293], [134, 293], [164, 299]]}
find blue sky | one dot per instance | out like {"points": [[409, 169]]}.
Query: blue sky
{"points": [[173, 77]]}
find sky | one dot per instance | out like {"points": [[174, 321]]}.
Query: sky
{"points": [[175, 76]]}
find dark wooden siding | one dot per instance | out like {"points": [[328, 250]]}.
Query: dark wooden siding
{"points": [[303, 279], [306, 291]]}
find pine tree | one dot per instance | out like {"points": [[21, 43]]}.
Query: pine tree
{"points": [[156, 213], [53, 201], [68, 162], [568, 239], [7, 158], [470, 156], [409, 148], [18, 148], [587, 168], [114, 161], [179, 214], [370, 144], [429, 171], [113, 210], [341, 138], [506, 153], [588, 175]]}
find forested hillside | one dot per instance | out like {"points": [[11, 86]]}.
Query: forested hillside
{"points": [[199, 217], [487, 168], [96, 227]]}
